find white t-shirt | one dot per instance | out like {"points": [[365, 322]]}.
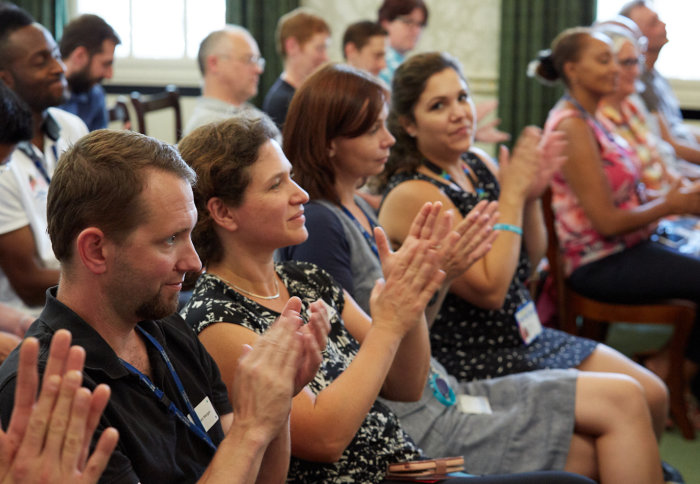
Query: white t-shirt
{"points": [[23, 192]]}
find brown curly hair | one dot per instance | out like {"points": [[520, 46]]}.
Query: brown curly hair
{"points": [[407, 86], [221, 154]]}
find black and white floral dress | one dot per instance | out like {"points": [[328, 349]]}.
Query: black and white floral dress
{"points": [[474, 343], [380, 439]]}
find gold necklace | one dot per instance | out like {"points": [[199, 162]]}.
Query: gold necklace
{"points": [[252, 294]]}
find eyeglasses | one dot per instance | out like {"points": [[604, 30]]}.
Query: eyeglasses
{"points": [[631, 62], [254, 60], [409, 22]]}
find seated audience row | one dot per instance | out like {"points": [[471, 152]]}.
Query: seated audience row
{"points": [[120, 214], [329, 158], [125, 246], [244, 175]]}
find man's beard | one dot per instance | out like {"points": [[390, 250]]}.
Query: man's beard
{"points": [[156, 308], [80, 82]]}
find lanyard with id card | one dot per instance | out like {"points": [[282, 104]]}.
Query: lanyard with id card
{"points": [[198, 420], [529, 324]]}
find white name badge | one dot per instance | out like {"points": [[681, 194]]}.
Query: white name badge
{"points": [[528, 322], [474, 404], [206, 413]]}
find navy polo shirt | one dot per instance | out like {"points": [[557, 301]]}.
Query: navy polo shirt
{"points": [[277, 99], [154, 446]]}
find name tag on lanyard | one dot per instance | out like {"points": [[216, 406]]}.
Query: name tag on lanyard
{"points": [[528, 322], [206, 413]]}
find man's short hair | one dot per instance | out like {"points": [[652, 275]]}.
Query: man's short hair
{"points": [[391, 9], [16, 122], [300, 24], [98, 181], [89, 31], [360, 33], [627, 8], [12, 18], [212, 41]]}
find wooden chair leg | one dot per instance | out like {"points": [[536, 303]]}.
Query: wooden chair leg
{"points": [[675, 379], [568, 321], [595, 330]]}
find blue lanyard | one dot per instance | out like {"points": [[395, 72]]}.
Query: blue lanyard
{"points": [[195, 425], [368, 237], [480, 193], [26, 148]]}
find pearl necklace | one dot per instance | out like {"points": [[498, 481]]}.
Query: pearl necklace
{"points": [[252, 294]]}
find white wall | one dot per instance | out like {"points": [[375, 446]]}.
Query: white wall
{"points": [[467, 29]]}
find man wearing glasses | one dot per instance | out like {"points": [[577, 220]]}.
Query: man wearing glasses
{"points": [[404, 20], [230, 63]]}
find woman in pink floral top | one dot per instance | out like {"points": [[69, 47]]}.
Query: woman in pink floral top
{"points": [[579, 239], [603, 213]]}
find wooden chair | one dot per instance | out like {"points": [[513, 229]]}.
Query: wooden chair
{"points": [[120, 112], [678, 313], [146, 103]]}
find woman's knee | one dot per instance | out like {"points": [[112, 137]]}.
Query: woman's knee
{"points": [[627, 393], [606, 359], [605, 399], [655, 389]]}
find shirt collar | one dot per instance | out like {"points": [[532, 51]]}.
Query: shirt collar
{"points": [[50, 127], [99, 356]]}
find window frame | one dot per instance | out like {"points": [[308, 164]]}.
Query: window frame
{"points": [[129, 71]]}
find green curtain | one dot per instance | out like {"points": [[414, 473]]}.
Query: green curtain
{"points": [[528, 26], [260, 18], [52, 14]]}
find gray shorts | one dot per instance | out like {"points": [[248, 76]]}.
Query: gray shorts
{"points": [[530, 428]]}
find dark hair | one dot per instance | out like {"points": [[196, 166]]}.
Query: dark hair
{"points": [[98, 181], [12, 18], [360, 33], [566, 47], [300, 24], [221, 154], [16, 122], [627, 8], [407, 86], [391, 9], [89, 31], [336, 101]]}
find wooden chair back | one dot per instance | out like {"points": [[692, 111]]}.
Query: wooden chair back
{"points": [[147, 103], [120, 112]]}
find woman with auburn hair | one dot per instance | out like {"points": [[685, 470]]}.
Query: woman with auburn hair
{"points": [[348, 142], [248, 206]]}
